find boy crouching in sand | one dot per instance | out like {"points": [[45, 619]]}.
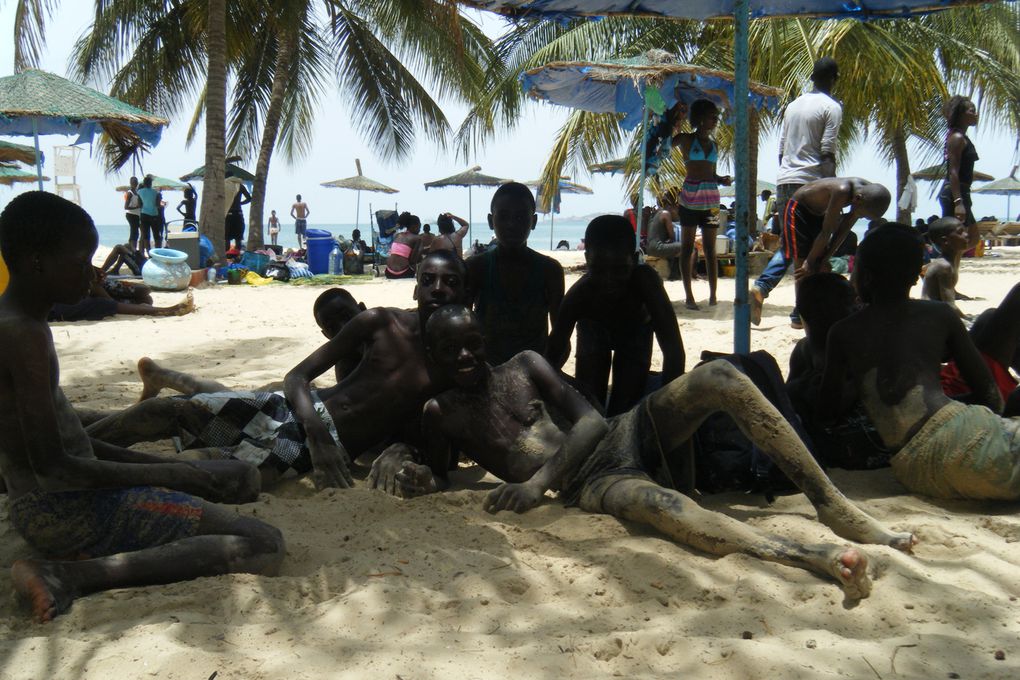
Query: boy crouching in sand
{"points": [[125, 518], [892, 351]]}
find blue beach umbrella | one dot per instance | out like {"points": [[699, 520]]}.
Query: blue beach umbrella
{"points": [[741, 11]]}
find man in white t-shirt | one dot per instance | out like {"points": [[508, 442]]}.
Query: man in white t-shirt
{"points": [[807, 152]]}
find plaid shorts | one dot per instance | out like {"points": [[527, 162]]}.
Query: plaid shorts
{"points": [[257, 427]]}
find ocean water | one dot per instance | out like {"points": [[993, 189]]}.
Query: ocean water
{"points": [[570, 230]]}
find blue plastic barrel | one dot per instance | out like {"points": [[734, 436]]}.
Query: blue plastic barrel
{"points": [[320, 243]]}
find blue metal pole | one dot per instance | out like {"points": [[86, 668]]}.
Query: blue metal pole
{"points": [[644, 161], [38, 155], [741, 310]]}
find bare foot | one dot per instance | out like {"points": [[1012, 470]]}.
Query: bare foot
{"points": [[757, 300], [151, 375], [186, 307], [712, 301], [37, 583], [850, 567], [692, 305], [860, 527]]}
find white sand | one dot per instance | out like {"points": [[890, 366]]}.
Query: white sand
{"points": [[375, 587]]}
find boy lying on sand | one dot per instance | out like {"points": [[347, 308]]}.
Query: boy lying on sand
{"points": [[524, 424], [124, 518], [892, 351], [314, 431]]}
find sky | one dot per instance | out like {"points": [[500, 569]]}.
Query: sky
{"points": [[517, 154]]}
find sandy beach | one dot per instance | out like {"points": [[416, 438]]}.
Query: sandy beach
{"points": [[382, 588]]}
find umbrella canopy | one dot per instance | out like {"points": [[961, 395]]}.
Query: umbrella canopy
{"points": [[161, 184], [35, 102], [713, 9], [612, 167], [12, 174], [731, 190], [1007, 186], [618, 86], [10, 151], [936, 173], [469, 178], [232, 171], [360, 183]]}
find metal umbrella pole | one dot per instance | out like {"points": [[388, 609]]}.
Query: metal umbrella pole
{"points": [[741, 310], [38, 156]]}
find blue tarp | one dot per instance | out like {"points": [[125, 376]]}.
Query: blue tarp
{"points": [[21, 126], [710, 9], [570, 86]]}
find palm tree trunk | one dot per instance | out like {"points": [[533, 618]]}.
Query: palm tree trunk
{"points": [[270, 131], [899, 147], [211, 220]]}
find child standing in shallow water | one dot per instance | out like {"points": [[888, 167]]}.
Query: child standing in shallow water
{"points": [[130, 519], [617, 307], [517, 292]]}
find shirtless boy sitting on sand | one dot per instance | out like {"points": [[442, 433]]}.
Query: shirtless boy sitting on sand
{"points": [[892, 351], [524, 424], [949, 235], [617, 306], [316, 431], [125, 518], [814, 224]]}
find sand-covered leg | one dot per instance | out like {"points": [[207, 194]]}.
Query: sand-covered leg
{"points": [[149, 420], [156, 378], [227, 543], [683, 520], [678, 409]]}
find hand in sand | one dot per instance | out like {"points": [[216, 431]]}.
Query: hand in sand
{"points": [[229, 481], [331, 464], [516, 497], [386, 467], [415, 480]]}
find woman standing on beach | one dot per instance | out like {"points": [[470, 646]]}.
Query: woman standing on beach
{"points": [[960, 156], [699, 196], [406, 248], [188, 203]]}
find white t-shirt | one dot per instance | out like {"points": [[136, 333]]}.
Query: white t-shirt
{"points": [[810, 127], [134, 203]]}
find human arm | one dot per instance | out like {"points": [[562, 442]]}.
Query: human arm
{"points": [[553, 288], [664, 323], [245, 196], [954, 155], [182, 212], [557, 349], [833, 119], [586, 431], [293, 207], [329, 459]]}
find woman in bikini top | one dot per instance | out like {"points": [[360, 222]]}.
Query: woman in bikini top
{"points": [[405, 251]]}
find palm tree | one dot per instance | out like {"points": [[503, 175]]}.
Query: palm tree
{"points": [[894, 74], [211, 219], [280, 72], [30, 18]]}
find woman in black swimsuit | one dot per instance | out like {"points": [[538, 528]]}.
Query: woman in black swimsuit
{"points": [[960, 155]]}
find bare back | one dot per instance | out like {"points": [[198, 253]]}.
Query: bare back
{"points": [[893, 353], [300, 210]]}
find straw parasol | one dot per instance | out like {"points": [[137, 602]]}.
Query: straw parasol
{"points": [[9, 151], [35, 102], [936, 173], [1007, 186], [360, 183], [563, 187], [11, 174], [612, 167], [231, 171], [161, 184], [472, 177]]}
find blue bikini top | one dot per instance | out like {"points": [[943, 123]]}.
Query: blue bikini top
{"points": [[697, 152]]}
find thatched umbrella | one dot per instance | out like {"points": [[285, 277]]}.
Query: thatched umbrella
{"points": [[9, 151], [231, 171], [936, 173], [612, 167], [562, 187], [1007, 186], [360, 183], [35, 102], [11, 174], [472, 177], [161, 184]]}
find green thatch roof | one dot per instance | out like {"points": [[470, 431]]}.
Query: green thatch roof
{"points": [[937, 173], [9, 151], [38, 93], [469, 178], [12, 174]]}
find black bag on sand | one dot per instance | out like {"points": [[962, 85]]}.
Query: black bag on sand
{"points": [[278, 272], [726, 460]]}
